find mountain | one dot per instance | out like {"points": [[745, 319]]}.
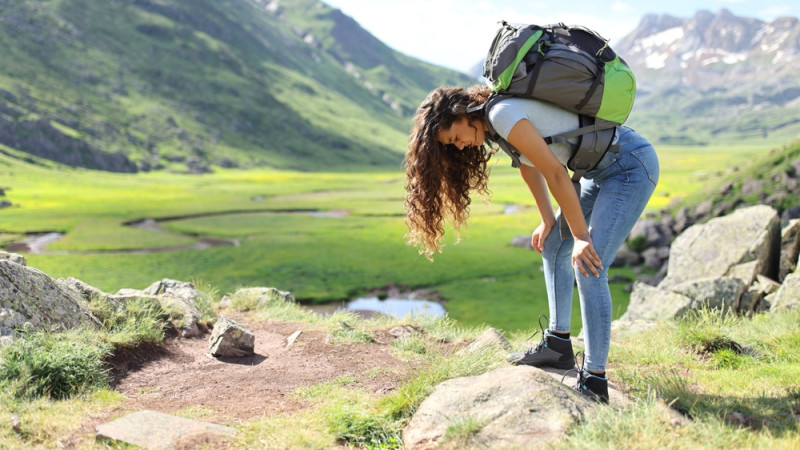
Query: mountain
{"points": [[715, 78], [186, 85]]}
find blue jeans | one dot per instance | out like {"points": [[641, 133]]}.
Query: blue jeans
{"points": [[613, 196]]}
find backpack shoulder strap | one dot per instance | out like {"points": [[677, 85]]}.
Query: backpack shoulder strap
{"points": [[509, 149]]}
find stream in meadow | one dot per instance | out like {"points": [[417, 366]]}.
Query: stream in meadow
{"points": [[396, 304]]}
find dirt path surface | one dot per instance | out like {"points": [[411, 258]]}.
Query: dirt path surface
{"points": [[181, 374], [184, 375]]}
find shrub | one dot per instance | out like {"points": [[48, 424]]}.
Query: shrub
{"points": [[55, 365]]}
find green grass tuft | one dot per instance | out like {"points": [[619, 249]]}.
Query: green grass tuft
{"points": [[138, 321], [54, 365]]}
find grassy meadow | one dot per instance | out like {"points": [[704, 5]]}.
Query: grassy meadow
{"points": [[323, 236]]}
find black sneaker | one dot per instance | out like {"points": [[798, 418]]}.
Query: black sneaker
{"points": [[551, 351], [592, 386]]}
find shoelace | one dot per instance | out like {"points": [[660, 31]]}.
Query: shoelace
{"points": [[541, 343], [578, 386]]}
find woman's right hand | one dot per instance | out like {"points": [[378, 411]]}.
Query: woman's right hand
{"points": [[539, 235]]}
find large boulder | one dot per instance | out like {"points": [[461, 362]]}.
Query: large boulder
{"points": [[662, 303], [650, 303], [511, 407], [28, 295], [788, 296], [724, 264], [716, 248]]}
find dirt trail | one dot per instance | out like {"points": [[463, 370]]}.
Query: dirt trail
{"points": [[184, 375], [181, 374]]}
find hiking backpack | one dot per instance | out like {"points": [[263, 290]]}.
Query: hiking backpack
{"points": [[570, 66]]}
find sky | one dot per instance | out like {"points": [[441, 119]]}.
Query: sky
{"points": [[457, 33]]}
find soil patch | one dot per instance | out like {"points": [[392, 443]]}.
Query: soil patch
{"points": [[182, 374]]}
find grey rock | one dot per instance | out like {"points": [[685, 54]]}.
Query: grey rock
{"points": [[712, 249], [514, 406], [174, 297], [682, 221], [653, 233], [766, 285], [721, 293], [403, 331], [656, 303], [789, 214], [704, 208], [653, 259], [626, 257], [751, 187], [747, 272], [230, 339], [156, 430], [756, 293], [650, 303], [87, 292], [790, 248], [13, 257], [256, 297], [40, 300], [788, 295], [180, 296], [749, 299]]}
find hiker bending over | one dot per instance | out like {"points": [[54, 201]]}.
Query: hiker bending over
{"points": [[447, 161]]}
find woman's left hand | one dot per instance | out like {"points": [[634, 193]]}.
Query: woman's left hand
{"points": [[584, 256]]}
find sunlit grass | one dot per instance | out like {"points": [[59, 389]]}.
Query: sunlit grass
{"points": [[46, 423]]}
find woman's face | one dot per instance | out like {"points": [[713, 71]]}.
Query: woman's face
{"points": [[463, 134]]}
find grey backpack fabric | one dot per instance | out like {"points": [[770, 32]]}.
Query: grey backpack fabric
{"points": [[570, 66]]}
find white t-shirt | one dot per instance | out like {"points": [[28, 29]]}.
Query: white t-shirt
{"points": [[548, 119]]}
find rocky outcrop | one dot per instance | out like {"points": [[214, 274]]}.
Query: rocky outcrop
{"points": [[733, 263], [743, 244], [510, 407], [29, 296], [177, 298], [252, 298], [180, 296]]}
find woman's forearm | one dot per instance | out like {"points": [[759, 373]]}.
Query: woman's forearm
{"points": [[563, 190], [538, 187], [526, 138]]}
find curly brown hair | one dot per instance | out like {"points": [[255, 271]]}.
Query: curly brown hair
{"points": [[439, 177]]}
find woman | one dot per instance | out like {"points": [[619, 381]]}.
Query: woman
{"points": [[447, 161]]}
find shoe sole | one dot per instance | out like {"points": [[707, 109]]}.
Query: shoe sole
{"points": [[563, 366]]}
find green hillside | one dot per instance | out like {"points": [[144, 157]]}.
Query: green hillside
{"points": [[187, 85]]}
